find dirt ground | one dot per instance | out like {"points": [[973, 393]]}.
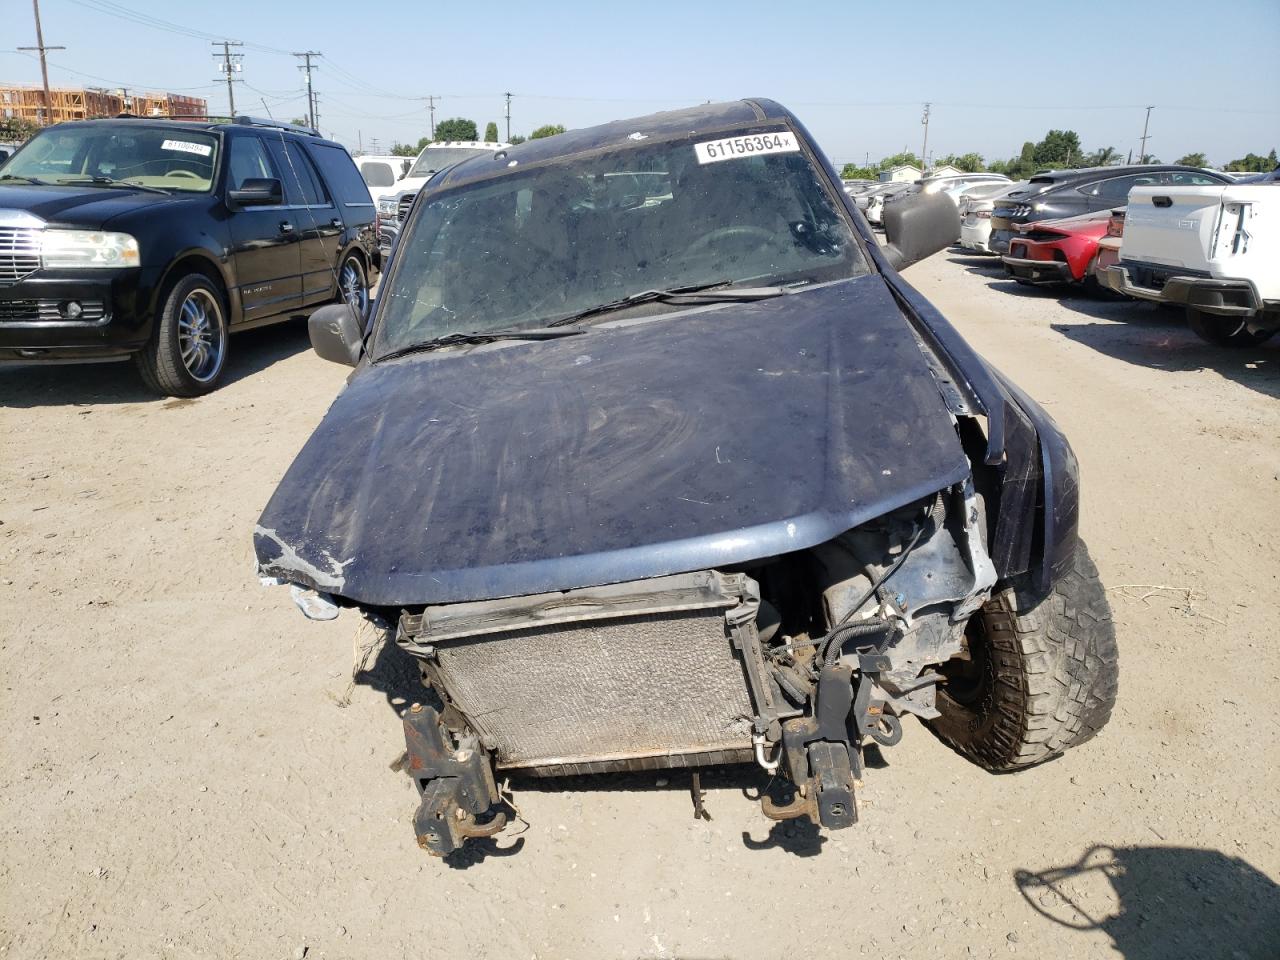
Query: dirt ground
{"points": [[185, 772]]}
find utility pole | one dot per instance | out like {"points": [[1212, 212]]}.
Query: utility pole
{"points": [[44, 66], [229, 66], [431, 108], [1142, 158], [508, 96], [311, 97], [924, 150]]}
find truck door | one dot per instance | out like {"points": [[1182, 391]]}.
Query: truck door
{"points": [[318, 221], [265, 247]]}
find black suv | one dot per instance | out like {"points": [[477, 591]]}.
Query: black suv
{"points": [[1055, 194], [156, 238]]}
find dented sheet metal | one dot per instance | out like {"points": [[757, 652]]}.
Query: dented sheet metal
{"points": [[637, 450]]}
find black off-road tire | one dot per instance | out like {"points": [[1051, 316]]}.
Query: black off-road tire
{"points": [[1224, 331], [161, 364], [1042, 676]]}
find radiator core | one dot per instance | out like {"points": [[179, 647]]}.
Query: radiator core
{"points": [[654, 689]]}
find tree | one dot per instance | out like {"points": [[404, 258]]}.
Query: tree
{"points": [[1253, 163], [457, 128], [1193, 160], [300, 122], [491, 132], [404, 150], [904, 159], [1019, 167], [517, 138], [1102, 157], [968, 162], [547, 130], [1059, 148], [17, 129], [851, 172]]}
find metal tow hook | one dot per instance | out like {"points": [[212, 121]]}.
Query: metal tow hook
{"points": [[800, 806], [469, 828], [465, 827]]}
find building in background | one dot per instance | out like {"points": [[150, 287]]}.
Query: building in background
{"points": [[903, 174], [22, 102]]}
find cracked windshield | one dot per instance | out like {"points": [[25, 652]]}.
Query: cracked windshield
{"points": [[527, 248]]}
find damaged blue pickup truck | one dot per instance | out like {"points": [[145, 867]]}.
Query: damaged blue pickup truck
{"points": [[652, 460]]}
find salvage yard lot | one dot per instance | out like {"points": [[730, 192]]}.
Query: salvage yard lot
{"points": [[187, 773]]}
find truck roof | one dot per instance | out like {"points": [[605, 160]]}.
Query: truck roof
{"points": [[706, 118]]}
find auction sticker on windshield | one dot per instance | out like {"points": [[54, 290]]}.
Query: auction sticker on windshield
{"points": [[200, 149], [713, 151]]}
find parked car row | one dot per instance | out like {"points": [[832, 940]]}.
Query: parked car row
{"points": [[871, 196], [154, 240], [1191, 238]]}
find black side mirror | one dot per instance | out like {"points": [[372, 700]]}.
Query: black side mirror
{"points": [[336, 333], [919, 226], [258, 192]]}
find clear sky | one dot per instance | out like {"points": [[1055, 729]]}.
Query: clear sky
{"points": [[856, 73]]}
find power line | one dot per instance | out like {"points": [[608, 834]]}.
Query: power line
{"points": [[229, 67], [113, 81], [121, 12]]}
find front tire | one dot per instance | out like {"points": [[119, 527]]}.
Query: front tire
{"points": [[1225, 331], [187, 356], [1041, 677]]}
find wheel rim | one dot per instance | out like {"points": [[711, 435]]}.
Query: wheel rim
{"points": [[968, 682], [202, 338], [352, 286]]}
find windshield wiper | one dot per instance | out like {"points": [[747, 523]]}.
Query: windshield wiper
{"points": [[695, 295], [113, 182], [457, 339], [15, 176]]}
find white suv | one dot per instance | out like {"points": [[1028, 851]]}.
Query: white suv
{"points": [[394, 206], [1214, 249]]}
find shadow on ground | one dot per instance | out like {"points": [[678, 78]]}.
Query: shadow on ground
{"points": [[1144, 334], [74, 384], [1161, 902], [395, 675]]}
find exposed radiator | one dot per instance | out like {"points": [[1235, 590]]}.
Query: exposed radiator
{"points": [[633, 676]]}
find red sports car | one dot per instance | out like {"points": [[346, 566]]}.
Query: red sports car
{"points": [[1057, 251]]}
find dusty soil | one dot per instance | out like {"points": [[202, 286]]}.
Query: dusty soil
{"points": [[182, 774]]}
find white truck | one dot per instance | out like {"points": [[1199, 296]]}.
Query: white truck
{"points": [[1214, 249], [394, 206]]}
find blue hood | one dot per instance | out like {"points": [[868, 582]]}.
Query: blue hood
{"points": [[678, 443]]}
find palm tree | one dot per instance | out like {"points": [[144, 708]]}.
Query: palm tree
{"points": [[1102, 157]]}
